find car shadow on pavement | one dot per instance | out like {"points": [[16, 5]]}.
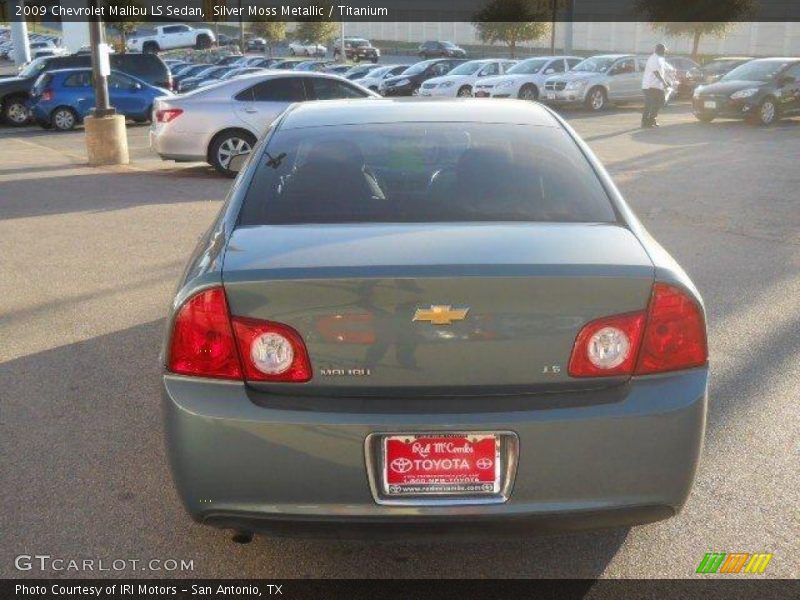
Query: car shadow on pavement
{"points": [[91, 191]]}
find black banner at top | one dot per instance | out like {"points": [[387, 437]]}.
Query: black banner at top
{"points": [[447, 11]]}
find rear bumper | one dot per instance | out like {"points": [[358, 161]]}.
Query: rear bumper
{"points": [[181, 147], [240, 465]]}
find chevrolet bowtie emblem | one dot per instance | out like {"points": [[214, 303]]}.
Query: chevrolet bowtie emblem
{"points": [[440, 314]]}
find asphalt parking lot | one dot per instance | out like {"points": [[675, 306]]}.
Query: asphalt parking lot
{"points": [[91, 257]]}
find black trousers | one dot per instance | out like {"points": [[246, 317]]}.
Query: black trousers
{"points": [[653, 101]]}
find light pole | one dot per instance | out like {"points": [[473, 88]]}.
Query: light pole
{"points": [[102, 106], [106, 137]]}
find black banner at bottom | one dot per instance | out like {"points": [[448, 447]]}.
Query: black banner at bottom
{"points": [[441, 589]]}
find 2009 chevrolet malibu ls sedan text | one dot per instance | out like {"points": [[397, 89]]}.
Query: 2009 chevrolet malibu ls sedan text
{"points": [[431, 315]]}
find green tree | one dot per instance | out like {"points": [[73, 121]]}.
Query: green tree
{"points": [[317, 29], [124, 26], [273, 32], [713, 17], [512, 21]]}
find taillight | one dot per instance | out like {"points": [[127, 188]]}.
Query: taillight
{"points": [[47, 95], [208, 342], [675, 334], [202, 339], [167, 115], [271, 351], [607, 346], [671, 335]]}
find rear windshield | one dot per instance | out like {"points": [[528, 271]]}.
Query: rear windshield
{"points": [[423, 173]]}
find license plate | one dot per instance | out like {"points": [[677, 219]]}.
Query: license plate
{"points": [[451, 464], [481, 94], [709, 104], [551, 96]]}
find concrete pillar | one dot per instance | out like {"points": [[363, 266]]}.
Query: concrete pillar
{"points": [[106, 140], [19, 36]]}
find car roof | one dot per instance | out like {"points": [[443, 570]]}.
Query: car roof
{"points": [[410, 110]]}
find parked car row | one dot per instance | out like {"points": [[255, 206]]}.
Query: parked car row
{"points": [[40, 45]]}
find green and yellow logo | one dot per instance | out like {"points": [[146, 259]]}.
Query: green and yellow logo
{"points": [[736, 562]]}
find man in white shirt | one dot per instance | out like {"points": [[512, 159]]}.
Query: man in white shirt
{"points": [[654, 84]]}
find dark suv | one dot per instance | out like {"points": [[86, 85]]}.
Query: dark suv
{"points": [[15, 91], [441, 49], [357, 49]]}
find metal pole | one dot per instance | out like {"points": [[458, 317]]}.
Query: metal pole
{"points": [[342, 54], [102, 105], [569, 22], [19, 36], [553, 27], [241, 29]]}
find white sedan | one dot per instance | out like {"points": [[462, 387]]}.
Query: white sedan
{"points": [[307, 48], [460, 82], [525, 80], [214, 124]]}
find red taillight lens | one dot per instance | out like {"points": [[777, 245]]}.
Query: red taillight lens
{"points": [[670, 336], [271, 351], [675, 334], [202, 339], [47, 95], [607, 346], [167, 115]]}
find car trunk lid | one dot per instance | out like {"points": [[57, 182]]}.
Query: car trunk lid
{"points": [[370, 300]]}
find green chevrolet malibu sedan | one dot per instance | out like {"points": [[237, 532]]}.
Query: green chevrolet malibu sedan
{"points": [[436, 316]]}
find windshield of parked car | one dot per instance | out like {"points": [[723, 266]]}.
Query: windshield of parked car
{"points": [[757, 70], [527, 67], [33, 67], [467, 68], [597, 64], [422, 173]]}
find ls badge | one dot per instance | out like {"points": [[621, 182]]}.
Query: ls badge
{"points": [[440, 314]]}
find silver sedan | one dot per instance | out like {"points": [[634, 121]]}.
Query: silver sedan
{"points": [[216, 123]]}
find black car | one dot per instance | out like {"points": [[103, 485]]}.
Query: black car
{"points": [[761, 91], [226, 40], [15, 91], [190, 83], [441, 49], [191, 72], [358, 49], [714, 70], [408, 82], [358, 71], [256, 45]]}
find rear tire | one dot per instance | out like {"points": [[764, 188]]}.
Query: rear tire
{"points": [[202, 42], [226, 145], [528, 92], [64, 118], [596, 99], [705, 118], [15, 112], [150, 48]]}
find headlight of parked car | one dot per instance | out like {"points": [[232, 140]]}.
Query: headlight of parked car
{"points": [[575, 85], [744, 93], [402, 82], [446, 84]]}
